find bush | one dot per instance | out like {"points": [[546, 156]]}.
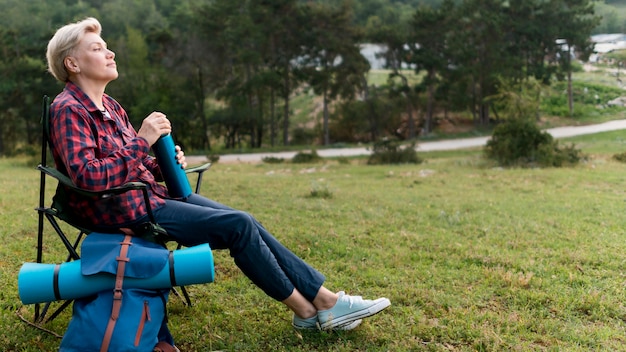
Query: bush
{"points": [[519, 142], [302, 136], [214, 158], [304, 157], [391, 151], [272, 160], [587, 96], [320, 191], [621, 157]]}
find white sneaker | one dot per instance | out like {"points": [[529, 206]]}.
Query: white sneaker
{"points": [[313, 324], [349, 309]]}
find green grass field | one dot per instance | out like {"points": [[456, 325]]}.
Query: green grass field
{"points": [[472, 257]]}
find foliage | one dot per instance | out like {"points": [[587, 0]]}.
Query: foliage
{"points": [[588, 97], [247, 59], [520, 142], [517, 100], [392, 151], [213, 158], [321, 190], [378, 115], [613, 16], [621, 157], [272, 160], [306, 157], [335, 66]]}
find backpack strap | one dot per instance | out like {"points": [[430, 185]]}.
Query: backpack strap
{"points": [[117, 292], [163, 346]]}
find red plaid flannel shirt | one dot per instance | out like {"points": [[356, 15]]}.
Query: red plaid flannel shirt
{"points": [[99, 151]]}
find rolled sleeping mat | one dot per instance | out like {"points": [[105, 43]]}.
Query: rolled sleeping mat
{"points": [[39, 283], [173, 173]]}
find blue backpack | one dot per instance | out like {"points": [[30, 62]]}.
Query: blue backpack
{"points": [[120, 320]]}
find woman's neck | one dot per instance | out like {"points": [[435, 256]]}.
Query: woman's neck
{"points": [[95, 91]]}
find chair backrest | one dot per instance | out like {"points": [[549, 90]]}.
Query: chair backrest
{"points": [[59, 207], [45, 128]]}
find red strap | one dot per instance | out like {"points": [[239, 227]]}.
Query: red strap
{"points": [[117, 292]]}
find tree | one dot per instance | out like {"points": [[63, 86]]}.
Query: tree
{"points": [[576, 21], [286, 48], [481, 50], [24, 79], [429, 41], [394, 34], [335, 64]]}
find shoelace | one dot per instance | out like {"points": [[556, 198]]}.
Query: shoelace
{"points": [[352, 299]]}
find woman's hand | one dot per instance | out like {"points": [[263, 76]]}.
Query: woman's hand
{"points": [[154, 126], [180, 157]]}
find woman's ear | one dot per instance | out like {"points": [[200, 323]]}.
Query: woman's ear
{"points": [[71, 65]]}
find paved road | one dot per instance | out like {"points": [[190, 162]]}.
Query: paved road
{"points": [[452, 144]]}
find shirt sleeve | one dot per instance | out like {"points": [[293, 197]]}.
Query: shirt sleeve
{"points": [[76, 137]]}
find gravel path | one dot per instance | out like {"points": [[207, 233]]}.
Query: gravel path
{"points": [[452, 144]]}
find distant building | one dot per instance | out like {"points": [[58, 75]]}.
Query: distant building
{"points": [[371, 51], [374, 54], [605, 43]]}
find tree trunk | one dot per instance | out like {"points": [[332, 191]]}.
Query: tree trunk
{"points": [[207, 138], [272, 117], [570, 94], [286, 109], [260, 120], [428, 125], [325, 122], [409, 105]]}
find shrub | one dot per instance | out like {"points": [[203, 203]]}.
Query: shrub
{"points": [[320, 191], [587, 96], [272, 160], [621, 157], [519, 142], [391, 151], [343, 160], [302, 136], [214, 158], [304, 157], [553, 155]]}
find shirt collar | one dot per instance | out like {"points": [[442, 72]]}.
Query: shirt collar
{"points": [[84, 99]]}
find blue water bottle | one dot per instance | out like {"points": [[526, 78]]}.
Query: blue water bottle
{"points": [[173, 172]]}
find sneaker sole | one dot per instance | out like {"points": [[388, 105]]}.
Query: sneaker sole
{"points": [[343, 327], [336, 322], [348, 326]]}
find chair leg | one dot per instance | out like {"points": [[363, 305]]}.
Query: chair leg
{"points": [[183, 289], [42, 310], [70, 248], [185, 296], [42, 317]]}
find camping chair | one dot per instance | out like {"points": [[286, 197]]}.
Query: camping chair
{"points": [[56, 212]]}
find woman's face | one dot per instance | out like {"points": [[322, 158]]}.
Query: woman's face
{"points": [[92, 60]]}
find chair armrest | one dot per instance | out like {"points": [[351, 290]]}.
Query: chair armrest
{"points": [[198, 169], [66, 181]]}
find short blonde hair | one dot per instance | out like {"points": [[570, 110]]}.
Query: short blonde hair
{"points": [[64, 42]]}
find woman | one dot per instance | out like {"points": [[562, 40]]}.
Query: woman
{"points": [[94, 143]]}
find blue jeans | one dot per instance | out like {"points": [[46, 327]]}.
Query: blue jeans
{"points": [[262, 258]]}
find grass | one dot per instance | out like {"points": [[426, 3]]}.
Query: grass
{"points": [[472, 257]]}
